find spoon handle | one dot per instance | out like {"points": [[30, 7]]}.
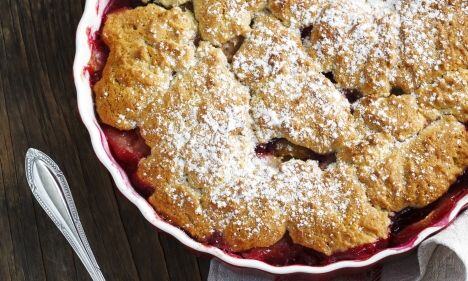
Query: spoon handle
{"points": [[51, 190]]}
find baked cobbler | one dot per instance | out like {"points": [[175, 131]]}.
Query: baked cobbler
{"points": [[287, 126]]}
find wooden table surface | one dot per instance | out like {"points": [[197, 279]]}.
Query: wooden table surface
{"points": [[38, 109]]}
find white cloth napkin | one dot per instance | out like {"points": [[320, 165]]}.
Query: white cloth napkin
{"points": [[443, 256]]}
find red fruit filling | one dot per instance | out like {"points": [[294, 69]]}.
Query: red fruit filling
{"points": [[216, 239], [283, 252], [143, 188], [99, 50], [99, 55], [128, 148]]}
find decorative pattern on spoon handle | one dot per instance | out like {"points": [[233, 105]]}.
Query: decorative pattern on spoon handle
{"points": [[51, 190]]}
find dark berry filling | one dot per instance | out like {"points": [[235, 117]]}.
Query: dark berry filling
{"points": [[305, 32], [330, 76], [286, 150], [352, 95], [283, 252]]}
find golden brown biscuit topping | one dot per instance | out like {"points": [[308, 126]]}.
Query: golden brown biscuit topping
{"points": [[290, 98], [222, 20], [146, 46], [203, 108]]}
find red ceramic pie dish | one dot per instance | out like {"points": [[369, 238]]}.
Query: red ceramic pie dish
{"points": [[118, 151]]}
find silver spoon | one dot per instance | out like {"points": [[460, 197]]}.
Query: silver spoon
{"points": [[51, 190]]}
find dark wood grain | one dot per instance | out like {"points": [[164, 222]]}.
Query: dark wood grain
{"points": [[38, 109]]}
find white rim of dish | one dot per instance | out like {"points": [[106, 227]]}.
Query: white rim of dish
{"points": [[89, 23]]}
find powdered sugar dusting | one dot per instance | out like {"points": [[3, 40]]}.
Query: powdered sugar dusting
{"points": [[204, 125]]}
